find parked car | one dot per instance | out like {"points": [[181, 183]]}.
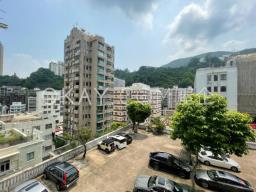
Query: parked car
{"points": [[169, 163], [107, 145], [221, 181], [127, 136], [157, 184], [119, 141], [63, 174], [31, 186], [208, 158]]}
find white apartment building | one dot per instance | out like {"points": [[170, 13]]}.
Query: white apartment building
{"points": [[34, 126], [20, 156], [236, 81], [89, 66], [57, 68], [48, 103], [17, 107], [121, 97], [222, 80], [175, 95]]}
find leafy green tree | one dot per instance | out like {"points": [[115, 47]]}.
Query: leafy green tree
{"points": [[202, 121], [81, 135], [138, 113]]}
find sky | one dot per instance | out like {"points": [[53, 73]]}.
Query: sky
{"points": [[143, 32]]}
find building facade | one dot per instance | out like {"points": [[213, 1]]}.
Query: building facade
{"points": [[88, 74], [175, 95], [222, 80], [17, 107], [34, 126], [57, 68], [31, 104], [121, 97], [156, 102], [48, 103], [9, 94]]}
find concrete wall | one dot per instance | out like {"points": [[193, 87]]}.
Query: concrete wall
{"points": [[247, 85]]}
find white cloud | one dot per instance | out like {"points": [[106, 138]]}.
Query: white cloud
{"points": [[234, 45], [196, 25], [23, 64], [139, 11]]}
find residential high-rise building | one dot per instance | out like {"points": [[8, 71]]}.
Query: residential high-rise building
{"points": [[119, 82], [31, 104], [1, 58], [176, 94], [155, 102], [121, 96], [57, 68], [140, 92], [88, 74], [236, 81]]}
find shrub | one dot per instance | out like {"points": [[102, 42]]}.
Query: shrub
{"points": [[156, 126]]}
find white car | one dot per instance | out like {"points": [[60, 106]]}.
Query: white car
{"points": [[119, 141], [208, 158], [31, 186]]}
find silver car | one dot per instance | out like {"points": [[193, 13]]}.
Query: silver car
{"points": [[31, 186]]}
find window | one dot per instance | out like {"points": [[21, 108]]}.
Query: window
{"points": [[215, 89], [48, 126], [209, 89], [36, 127], [4, 166], [215, 77], [223, 77], [46, 148], [30, 156], [209, 78], [223, 89]]}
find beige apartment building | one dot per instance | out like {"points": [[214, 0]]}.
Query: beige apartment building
{"points": [[156, 101], [139, 92], [88, 74], [121, 97], [175, 95]]}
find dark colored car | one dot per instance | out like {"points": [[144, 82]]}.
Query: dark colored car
{"points": [[127, 136], [157, 184], [107, 145], [222, 181], [63, 174], [169, 163]]}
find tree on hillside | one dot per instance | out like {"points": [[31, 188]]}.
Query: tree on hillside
{"points": [[138, 113], [44, 78], [202, 121]]}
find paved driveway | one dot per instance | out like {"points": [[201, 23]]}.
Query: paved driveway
{"points": [[116, 172]]}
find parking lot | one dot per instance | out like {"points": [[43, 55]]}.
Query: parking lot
{"points": [[117, 171]]}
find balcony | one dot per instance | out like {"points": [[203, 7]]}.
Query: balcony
{"points": [[101, 71]]}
